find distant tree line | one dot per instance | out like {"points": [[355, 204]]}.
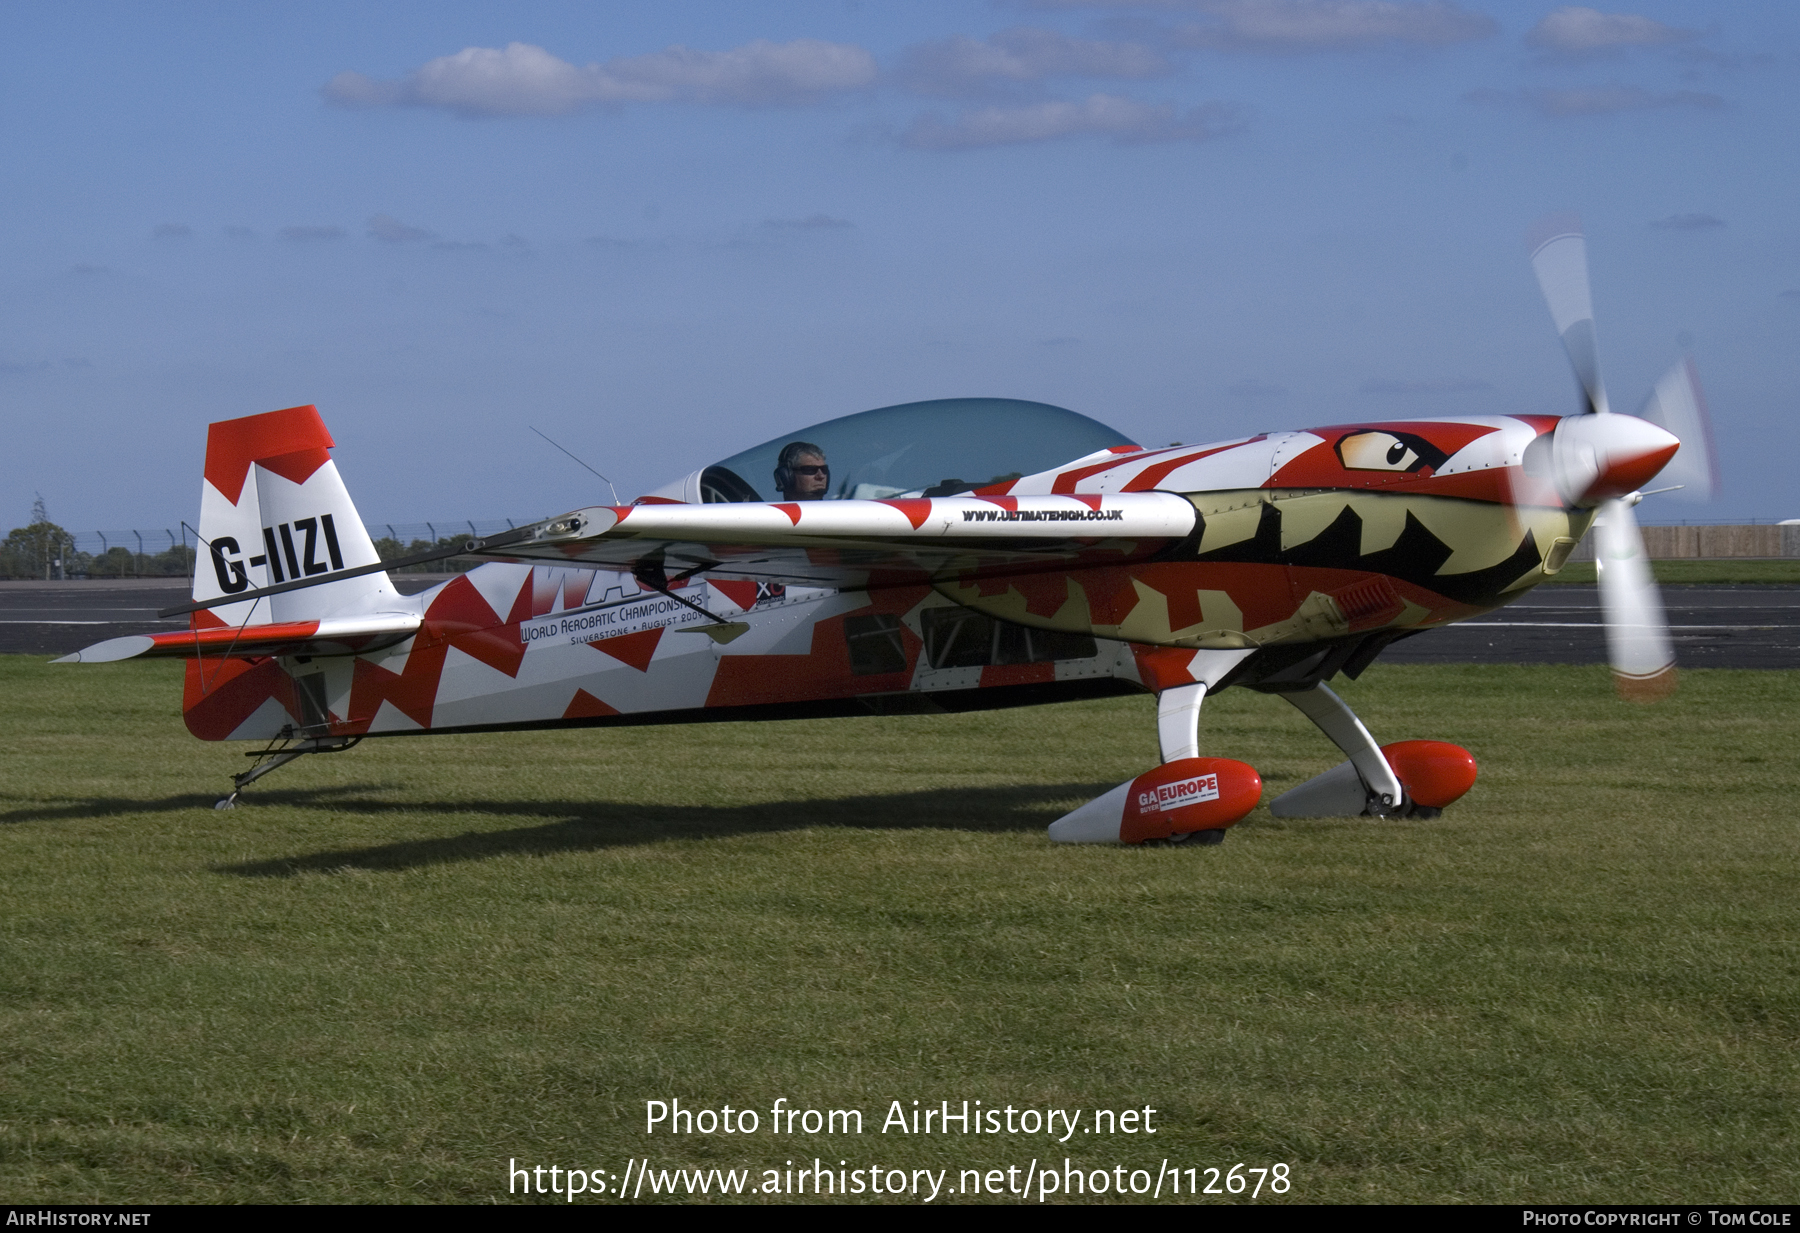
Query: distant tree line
{"points": [[46, 551], [390, 549], [41, 549]]}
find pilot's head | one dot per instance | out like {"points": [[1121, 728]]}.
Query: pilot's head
{"points": [[801, 472]]}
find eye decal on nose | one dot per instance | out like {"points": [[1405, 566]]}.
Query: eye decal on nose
{"points": [[1389, 451]]}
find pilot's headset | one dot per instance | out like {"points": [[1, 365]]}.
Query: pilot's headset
{"points": [[791, 454]]}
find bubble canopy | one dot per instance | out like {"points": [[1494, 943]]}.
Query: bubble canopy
{"points": [[933, 448]]}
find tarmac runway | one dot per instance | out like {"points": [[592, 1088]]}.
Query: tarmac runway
{"points": [[1713, 626], [54, 618]]}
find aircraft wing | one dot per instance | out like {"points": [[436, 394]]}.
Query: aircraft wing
{"points": [[328, 636], [847, 543]]}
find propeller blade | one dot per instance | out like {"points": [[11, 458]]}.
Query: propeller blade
{"points": [[1678, 406], [1637, 632], [1559, 257], [1601, 459]]}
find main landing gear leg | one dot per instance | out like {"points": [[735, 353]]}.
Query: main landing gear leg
{"points": [[1178, 736], [1364, 784], [1188, 799], [279, 753], [1178, 721]]}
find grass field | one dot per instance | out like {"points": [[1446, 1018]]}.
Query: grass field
{"points": [[391, 971], [1719, 571]]}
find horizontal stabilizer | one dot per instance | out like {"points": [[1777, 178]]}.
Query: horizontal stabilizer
{"points": [[110, 651], [330, 636]]}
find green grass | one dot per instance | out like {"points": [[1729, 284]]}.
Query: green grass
{"points": [[392, 970], [1717, 571]]}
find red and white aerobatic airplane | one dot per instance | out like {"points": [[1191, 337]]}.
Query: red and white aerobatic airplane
{"points": [[969, 554]]}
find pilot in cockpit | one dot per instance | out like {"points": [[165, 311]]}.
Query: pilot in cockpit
{"points": [[801, 472]]}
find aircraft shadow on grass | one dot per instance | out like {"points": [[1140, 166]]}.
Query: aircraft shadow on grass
{"points": [[72, 808], [585, 826]]}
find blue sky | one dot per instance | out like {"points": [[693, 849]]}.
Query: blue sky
{"points": [[663, 233]]}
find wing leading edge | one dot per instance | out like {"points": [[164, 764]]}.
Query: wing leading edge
{"points": [[845, 543]]}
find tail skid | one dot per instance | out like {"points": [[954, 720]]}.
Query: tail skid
{"points": [[280, 752]]}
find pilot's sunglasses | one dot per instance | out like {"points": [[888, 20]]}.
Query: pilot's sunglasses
{"points": [[812, 470]]}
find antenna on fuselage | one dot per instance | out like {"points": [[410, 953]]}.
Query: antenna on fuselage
{"points": [[609, 483]]}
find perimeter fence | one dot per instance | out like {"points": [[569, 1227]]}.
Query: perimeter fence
{"points": [[47, 551], [1705, 541]]}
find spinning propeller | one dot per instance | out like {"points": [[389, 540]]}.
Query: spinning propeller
{"points": [[1602, 459]]}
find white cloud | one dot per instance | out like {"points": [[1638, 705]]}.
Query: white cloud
{"points": [[390, 230], [1323, 25], [1579, 30], [756, 73], [959, 66], [524, 80], [1594, 100], [1124, 120], [520, 80]]}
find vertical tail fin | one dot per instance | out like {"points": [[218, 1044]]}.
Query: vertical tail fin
{"points": [[273, 510]]}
